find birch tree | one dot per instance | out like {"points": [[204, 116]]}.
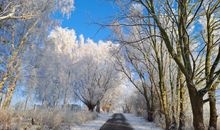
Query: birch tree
{"points": [[26, 22]]}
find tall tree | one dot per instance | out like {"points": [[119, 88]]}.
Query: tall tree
{"points": [[185, 15]]}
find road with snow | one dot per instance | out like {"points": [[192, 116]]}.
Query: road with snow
{"points": [[117, 121]]}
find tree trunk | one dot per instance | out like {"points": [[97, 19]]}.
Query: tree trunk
{"points": [[90, 107], [65, 98], [98, 107], [149, 105], [42, 102], [1, 96], [173, 105], [213, 113], [208, 66], [150, 115], [4, 79], [15, 55], [165, 105], [163, 89], [150, 112], [168, 121], [10, 92], [197, 107], [182, 102], [26, 102], [182, 120], [166, 111]]}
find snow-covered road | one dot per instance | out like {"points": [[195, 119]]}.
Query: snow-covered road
{"points": [[137, 123]]}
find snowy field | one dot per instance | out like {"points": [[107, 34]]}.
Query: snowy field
{"points": [[138, 123]]}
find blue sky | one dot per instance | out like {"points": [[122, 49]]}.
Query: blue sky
{"points": [[85, 14]]}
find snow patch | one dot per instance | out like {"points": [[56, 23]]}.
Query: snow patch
{"points": [[139, 123]]}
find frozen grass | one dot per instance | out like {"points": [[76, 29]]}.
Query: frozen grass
{"points": [[95, 124], [68, 120], [43, 119]]}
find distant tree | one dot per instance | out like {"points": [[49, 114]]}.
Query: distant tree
{"points": [[96, 73]]}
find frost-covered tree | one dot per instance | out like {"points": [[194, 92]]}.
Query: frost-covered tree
{"points": [[55, 65], [188, 33], [68, 68], [96, 73], [24, 23], [28, 9]]}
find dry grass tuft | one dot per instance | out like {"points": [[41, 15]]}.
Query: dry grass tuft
{"points": [[43, 119]]}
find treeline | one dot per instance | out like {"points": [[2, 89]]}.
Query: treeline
{"points": [[68, 69], [169, 50]]}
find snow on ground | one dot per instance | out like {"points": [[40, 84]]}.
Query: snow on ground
{"points": [[139, 123], [95, 124]]}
